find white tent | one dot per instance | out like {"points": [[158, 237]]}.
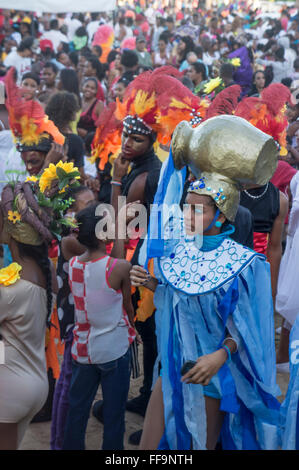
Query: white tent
{"points": [[57, 6]]}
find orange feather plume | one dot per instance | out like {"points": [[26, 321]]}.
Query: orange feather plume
{"points": [[107, 139], [27, 119]]}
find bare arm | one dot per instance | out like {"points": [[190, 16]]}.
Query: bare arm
{"points": [[127, 296], [120, 279], [136, 191], [120, 169], [126, 214], [274, 250], [55, 154], [70, 247]]}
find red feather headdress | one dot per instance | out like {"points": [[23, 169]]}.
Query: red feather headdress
{"points": [[27, 119], [160, 102], [267, 113], [225, 102]]}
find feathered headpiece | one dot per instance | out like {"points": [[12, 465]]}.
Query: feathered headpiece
{"points": [[267, 113], [161, 101], [104, 37], [28, 122], [153, 104], [225, 102], [129, 43], [107, 139]]}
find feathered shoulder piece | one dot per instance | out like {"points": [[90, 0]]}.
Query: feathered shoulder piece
{"points": [[27, 119], [267, 113]]}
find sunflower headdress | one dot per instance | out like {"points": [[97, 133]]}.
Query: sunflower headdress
{"points": [[153, 104], [34, 210], [31, 128]]}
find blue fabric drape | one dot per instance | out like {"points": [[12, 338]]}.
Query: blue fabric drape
{"points": [[169, 192], [243, 309]]}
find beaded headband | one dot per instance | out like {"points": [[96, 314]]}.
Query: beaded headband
{"points": [[136, 125], [224, 191]]}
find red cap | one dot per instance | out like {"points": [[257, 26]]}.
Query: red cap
{"points": [[139, 17], [46, 44]]}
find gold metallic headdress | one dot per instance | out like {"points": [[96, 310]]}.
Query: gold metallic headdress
{"points": [[225, 153]]}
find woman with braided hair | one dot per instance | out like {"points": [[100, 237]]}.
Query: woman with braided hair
{"points": [[26, 307], [31, 216]]}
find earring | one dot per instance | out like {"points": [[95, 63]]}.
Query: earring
{"points": [[218, 223]]}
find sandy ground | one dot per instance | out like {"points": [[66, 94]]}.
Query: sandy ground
{"points": [[38, 434]]}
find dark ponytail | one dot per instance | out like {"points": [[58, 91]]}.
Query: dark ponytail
{"points": [[87, 221], [40, 255]]}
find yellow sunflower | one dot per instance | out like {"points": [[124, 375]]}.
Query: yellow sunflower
{"points": [[32, 179], [212, 84], [10, 274], [14, 216], [50, 174]]}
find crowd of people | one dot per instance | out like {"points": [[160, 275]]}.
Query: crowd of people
{"points": [[92, 111]]}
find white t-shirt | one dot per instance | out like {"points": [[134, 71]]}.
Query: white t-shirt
{"points": [[210, 59], [56, 37], [21, 64], [92, 28], [72, 26], [129, 32]]}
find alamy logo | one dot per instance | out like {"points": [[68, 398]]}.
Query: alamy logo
{"points": [[294, 356], [131, 221]]}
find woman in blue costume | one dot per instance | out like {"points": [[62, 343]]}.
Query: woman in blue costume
{"points": [[213, 298]]}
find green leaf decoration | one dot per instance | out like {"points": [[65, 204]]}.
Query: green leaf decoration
{"points": [[61, 173]]}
